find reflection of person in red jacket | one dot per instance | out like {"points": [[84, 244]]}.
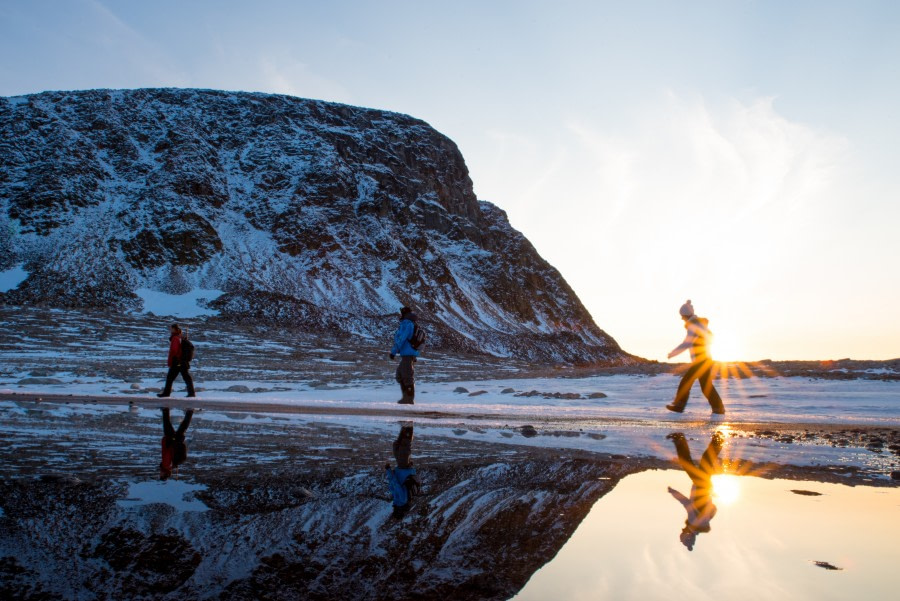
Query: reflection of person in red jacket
{"points": [[177, 364], [174, 449]]}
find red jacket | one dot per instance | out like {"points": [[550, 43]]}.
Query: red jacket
{"points": [[168, 453], [174, 349], [174, 452]]}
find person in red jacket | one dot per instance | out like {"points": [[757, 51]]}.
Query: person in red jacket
{"points": [[177, 364], [174, 449]]}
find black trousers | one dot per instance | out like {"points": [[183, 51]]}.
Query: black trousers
{"points": [[169, 431], [406, 371], [699, 370], [709, 463], [184, 370]]}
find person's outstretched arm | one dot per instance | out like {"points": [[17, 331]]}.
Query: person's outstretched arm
{"points": [[679, 497], [685, 345]]}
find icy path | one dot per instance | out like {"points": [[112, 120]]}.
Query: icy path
{"points": [[798, 421], [641, 398]]}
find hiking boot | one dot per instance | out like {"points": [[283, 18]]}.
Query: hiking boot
{"points": [[404, 400], [163, 395], [191, 396], [673, 407]]}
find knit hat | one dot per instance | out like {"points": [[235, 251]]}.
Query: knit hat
{"points": [[687, 309], [405, 310]]}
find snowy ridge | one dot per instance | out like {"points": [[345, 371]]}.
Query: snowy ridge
{"points": [[313, 214]]}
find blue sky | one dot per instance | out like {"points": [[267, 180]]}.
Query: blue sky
{"points": [[741, 154]]}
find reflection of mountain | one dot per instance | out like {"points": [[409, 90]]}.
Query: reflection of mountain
{"points": [[478, 533]]}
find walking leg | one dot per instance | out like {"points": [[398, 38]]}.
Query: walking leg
{"points": [[168, 430], [404, 376], [684, 388], [185, 422], [682, 450], [411, 380], [170, 379], [684, 457], [709, 391], [709, 463], [188, 380]]}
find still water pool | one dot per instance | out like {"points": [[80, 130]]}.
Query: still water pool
{"points": [[761, 541]]}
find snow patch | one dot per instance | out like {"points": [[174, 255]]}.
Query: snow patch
{"points": [[11, 278], [170, 492], [190, 304]]}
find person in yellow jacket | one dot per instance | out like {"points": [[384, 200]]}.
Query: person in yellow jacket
{"points": [[697, 340]]}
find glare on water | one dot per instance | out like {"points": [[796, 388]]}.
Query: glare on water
{"points": [[726, 489], [768, 539]]}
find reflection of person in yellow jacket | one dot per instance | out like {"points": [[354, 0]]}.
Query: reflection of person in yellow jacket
{"points": [[700, 507], [697, 341]]}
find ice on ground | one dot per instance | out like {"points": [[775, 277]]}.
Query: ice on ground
{"points": [[639, 398], [11, 278], [170, 492], [190, 304], [631, 438]]}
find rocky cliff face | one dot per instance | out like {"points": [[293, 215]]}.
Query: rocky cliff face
{"points": [[318, 215]]}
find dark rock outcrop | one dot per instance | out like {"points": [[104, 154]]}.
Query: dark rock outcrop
{"points": [[317, 215]]}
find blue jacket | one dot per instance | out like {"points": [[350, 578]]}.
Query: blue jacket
{"points": [[396, 477], [402, 346]]}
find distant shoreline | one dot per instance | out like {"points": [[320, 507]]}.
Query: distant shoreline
{"points": [[828, 369]]}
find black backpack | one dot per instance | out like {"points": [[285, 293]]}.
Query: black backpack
{"points": [[187, 350], [413, 486], [418, 337]]}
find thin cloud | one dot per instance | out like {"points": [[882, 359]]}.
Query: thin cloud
{"points": [[123, 42], [685, 199], [287, 76]]}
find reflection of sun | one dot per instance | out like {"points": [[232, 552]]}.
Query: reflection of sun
{"points": [[726, 488]]}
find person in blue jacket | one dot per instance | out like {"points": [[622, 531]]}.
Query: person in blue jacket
{"points": [[402, 480], [405, 374]]}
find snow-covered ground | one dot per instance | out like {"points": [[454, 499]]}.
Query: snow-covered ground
{"points": [[630, 421], [628, 397], [251, 372], [12, 277], [189, 304]]}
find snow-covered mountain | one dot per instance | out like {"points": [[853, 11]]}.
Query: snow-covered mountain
{"points": [[320, 216]]}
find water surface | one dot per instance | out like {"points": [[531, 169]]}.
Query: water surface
{"points": [[763, 543]]}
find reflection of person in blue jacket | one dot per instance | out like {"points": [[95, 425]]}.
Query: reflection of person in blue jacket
{"points": [[406, 370], [402, 480]]}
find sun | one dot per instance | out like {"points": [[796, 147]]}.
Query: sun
{"points": [[727, 349], [726, 488]]}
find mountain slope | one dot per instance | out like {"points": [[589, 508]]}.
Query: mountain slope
{"points": [[321, 216]]}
